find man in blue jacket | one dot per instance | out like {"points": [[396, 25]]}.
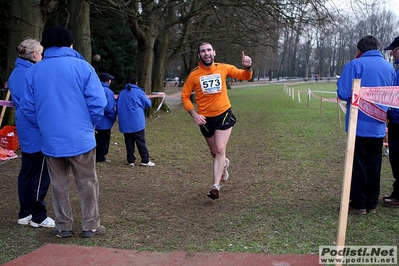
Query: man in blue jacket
{"points": [[64, 99], [103, 128], [392, 200], [374, 71]]}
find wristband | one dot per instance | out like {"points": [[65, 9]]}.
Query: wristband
{"points": [[248, 68]]}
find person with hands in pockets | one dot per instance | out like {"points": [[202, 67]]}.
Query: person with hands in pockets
{"points": [[213, 114], [130, 106]]}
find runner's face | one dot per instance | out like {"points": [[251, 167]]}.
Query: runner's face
{"points": [[206, 54]]}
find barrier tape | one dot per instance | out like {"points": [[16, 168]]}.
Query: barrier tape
{"points": [[7, 103], [153, 95], [387, 96]]}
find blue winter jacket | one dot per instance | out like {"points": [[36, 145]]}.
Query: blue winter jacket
{"points": [[373, 70], [109, 117], [393, 113], [130, 108], [28, 135], [63, 97]]}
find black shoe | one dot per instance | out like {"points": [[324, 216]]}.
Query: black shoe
{"points": [[391, 202], [356, 211], [61, 234], [214, 193], [386, 197], [97, 232]]}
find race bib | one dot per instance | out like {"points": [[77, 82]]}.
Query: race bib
{"points": [[211, 83]]}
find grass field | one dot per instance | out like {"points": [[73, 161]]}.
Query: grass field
{"points": [[283, 195]]}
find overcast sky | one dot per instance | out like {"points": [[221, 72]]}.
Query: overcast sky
{"points": [[391, 5]]}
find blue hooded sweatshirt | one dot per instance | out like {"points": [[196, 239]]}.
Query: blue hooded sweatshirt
{"points": [[374, 71], [63, 97], [130, 107], [109, 117], [28, 135]]}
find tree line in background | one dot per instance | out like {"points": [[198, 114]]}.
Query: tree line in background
{"points": [[159, 38]]}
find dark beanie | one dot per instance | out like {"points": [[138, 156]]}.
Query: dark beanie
{"points": [[56, 36]]}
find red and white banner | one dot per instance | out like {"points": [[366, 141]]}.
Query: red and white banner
{"points": [[387, 96], [372, 110]]}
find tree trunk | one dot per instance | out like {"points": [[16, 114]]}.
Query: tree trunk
{"points": [[25, 20], [80, 27]]}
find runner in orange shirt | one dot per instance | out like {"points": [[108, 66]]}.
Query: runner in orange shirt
{"points": [[213, 115]]}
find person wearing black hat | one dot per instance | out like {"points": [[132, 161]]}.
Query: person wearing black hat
{"points": [[63, 100], [103, 128], [392, 200]]}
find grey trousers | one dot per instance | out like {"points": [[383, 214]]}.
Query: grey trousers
{"points": [[84, 171]]}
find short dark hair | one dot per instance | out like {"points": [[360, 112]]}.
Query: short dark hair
{"points": [[132, 79], [202, 43], [368, 43]]}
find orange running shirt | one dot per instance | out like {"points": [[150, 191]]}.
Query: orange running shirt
{"points": [[209, 85]]}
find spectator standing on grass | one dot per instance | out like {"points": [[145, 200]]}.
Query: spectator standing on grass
{"points": [[64, 99], [213, 115], [374, 71], [392, 200], [103, 128], [33, 178], [131, 103]]}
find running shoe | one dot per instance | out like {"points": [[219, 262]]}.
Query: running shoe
{"points": [[61, 234], [225, 174], [48, 222], [148, 164], [214, 193], [25, 220], [96, 232]]}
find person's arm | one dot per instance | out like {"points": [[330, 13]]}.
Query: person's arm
{"points": [[198, 119], [96, 100], [344, 83]]}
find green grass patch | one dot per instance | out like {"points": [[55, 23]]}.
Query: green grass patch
{"points": [[283, 195]]}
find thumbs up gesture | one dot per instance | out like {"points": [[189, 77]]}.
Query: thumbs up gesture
{"points": [[246, 60]]}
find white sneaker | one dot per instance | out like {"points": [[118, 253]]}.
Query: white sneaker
{"points": [[131, 164], [48, 222], [25, 220], [148, 164]]}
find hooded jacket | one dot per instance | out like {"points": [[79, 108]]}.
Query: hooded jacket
{"points": [[374, 71], [64, 98], [130, 107], [109, 117], [28, 135]]}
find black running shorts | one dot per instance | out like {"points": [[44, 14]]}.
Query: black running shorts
{"points": [[222, 122]]}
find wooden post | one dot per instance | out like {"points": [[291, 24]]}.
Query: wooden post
{"points": [[308, 94], [321, 104], [350, 150], [3, 110], [299, 96], [339, 114]]}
